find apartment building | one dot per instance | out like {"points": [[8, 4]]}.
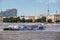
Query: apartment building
{"points": [[8, 13]]}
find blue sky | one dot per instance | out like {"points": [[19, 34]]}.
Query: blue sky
{"points": [[31, 7]]}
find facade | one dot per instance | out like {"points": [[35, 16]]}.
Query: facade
{"points": [[36, 17], [50, 17], [28, 17], [8, 13], [57, 17], [32, 17], [40, 16], [54, 18], [1, 19]]}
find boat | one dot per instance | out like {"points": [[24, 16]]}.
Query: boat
{"points": [[22, 27]]}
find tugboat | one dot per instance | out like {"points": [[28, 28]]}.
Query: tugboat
{"points": [[38, 27], [11, 27], [22, 27], [41, 27]]}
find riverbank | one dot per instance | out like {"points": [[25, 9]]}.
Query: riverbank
{"points": [[34, 23]]}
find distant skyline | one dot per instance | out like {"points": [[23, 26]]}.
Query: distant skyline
{"points": [[31, 7]]}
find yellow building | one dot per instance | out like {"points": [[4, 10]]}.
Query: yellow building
{"points": [[30, 17], [36, 17], [50, 17], [54, 17], [57, 17]]}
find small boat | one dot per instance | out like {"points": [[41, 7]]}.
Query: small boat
{"points": [[22, 27], [11, 27]]}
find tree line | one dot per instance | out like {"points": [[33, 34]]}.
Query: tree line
{"points": [[11, 19]]}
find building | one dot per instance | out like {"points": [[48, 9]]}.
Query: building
{"points": [[1, 19], [54, 18], [40, 16], [28, 17], [37, 17], [8, 13], [50, 17], [57, 17], [32, 17]]}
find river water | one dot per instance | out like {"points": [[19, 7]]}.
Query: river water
{"points": [[47, 28], [53, 28]]}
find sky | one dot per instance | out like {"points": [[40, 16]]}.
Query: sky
{"points": [[31, 7]]}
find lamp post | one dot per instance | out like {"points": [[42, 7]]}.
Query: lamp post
{"points": [[48, 7], [47, 12]]}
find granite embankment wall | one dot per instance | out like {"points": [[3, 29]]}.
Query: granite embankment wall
{"points": [[29, 35]]}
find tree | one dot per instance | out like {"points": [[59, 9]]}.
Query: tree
{"points": [[23, 20], [38, 20], [43, 19], [5, 20], [28, 20], [18, 19], [11, 19], [50, 20]]}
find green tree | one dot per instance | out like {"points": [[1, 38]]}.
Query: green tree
{"points": [[11, 19], [38, 20], [5, 20], [50, 20], [43, 19], [18, 19], [28, 20], [23, 20]]}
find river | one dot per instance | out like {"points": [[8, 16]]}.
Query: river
{"points": [[52, 28]]}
